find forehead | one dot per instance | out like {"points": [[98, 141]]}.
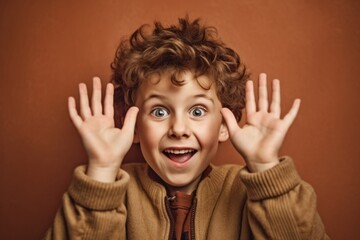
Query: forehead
{"points": [[186, 86]]}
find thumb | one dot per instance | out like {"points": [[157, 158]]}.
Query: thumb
{"points": [[130, 120], [291, 115], [230, 120]]}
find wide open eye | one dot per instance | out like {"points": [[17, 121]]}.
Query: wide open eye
{"points": [[159, 112], [197, 111]]}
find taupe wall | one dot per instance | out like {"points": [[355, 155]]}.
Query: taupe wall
{"points": [[46, 49]]}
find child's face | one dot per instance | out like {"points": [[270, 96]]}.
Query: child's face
{"points": [[179, 128]]}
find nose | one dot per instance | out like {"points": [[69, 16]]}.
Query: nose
{"points": [[179, 127]]}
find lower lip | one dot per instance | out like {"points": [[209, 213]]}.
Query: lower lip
{"points": [[179, 164]]}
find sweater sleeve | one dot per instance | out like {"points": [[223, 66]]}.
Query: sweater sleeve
{"points": [[280, 205], [91, 209]]}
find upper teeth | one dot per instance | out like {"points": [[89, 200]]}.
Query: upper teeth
{"points": [[173, 151]]}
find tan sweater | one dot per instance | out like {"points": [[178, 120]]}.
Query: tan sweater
{"points": [[231, 203]]}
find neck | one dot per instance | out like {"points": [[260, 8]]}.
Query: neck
{"points": [[188, 189]]}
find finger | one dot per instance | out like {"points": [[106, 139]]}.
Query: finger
{"points": [[84, 101], [130, 120], [275, 100], [230, 120], [109, 101], [74, 116], [291, 115], [96, 97], [263, 96], [250, 98]]}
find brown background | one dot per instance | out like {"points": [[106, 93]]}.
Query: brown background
{"points": [[46, 49]]}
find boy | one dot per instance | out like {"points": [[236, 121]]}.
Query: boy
{"points": [[181, 92]]}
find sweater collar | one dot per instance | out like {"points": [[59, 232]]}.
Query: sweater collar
{"points": [[209, 186]]}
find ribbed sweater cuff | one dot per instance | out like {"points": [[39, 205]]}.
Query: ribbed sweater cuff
{"points": [[271, 183], [97, 195]]}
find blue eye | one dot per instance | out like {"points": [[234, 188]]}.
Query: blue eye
{"points": [[198, 112], [159, 112]]}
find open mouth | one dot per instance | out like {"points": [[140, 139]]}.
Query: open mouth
{"points": [[179, 155]]}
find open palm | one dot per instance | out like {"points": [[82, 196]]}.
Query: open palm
{"points": [[105, 144], [260, 139]]}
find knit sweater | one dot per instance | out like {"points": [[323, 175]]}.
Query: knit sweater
{"points": [[230, 203]]}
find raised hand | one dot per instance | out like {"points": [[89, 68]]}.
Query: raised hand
{"points": [[260, 139], [105, 144]]}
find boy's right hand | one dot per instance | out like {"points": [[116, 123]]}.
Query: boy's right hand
{"points": [[105, 144]]}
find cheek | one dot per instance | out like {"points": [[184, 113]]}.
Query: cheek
{"points": [[148, 141], [207, 132], [150, 132]]}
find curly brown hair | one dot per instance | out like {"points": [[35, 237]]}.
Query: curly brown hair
{"points": [[187, 46]]}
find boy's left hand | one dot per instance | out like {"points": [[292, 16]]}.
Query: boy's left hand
{"points": [[260, 139]]}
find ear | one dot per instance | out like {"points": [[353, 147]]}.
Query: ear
{"points": [[223, 132]]}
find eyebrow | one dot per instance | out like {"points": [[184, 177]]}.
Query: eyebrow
{"points": [[201, 95], [204, 96], [154, 96]]}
